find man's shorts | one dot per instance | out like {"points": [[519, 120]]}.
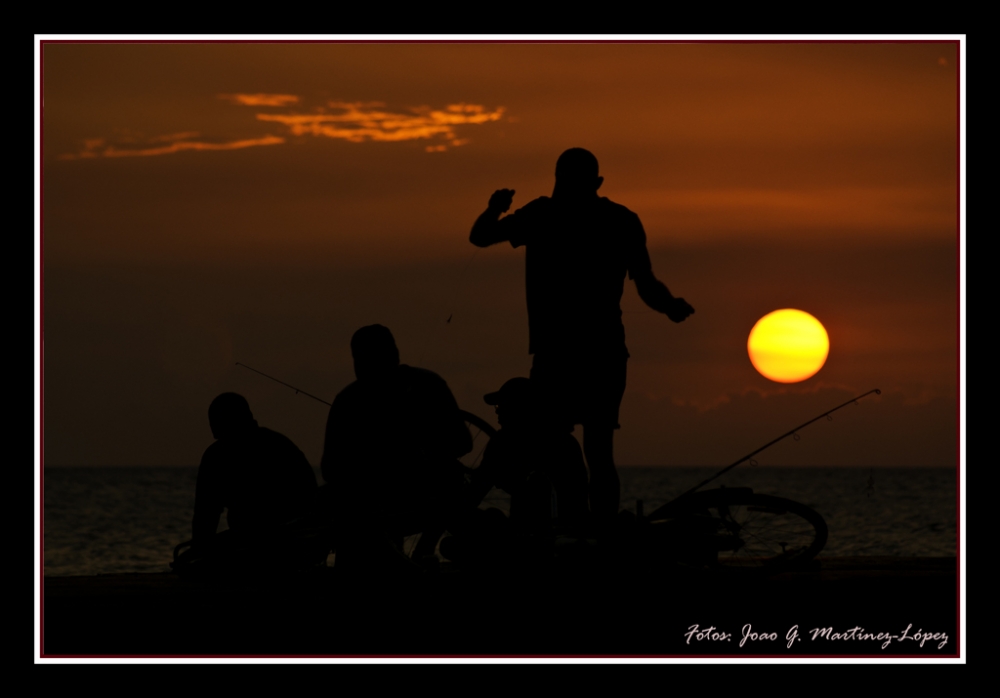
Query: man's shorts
{"points": [[583, 390]]}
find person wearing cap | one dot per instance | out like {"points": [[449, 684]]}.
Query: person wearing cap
{"points": [[392, 443], [258, 476], [531, 457], [579, 249]]}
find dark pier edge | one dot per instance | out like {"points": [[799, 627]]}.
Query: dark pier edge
{"points": [[596, 610]]}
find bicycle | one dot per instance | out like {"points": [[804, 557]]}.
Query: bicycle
{"points": [[728, 529]]}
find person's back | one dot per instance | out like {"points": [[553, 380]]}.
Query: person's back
{"points": [[397, 437], [262, 480], [435, 422], [530, 466], [531, 456], [578, 254], [257, 475]]}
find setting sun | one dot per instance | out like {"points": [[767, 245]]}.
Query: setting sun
{"points": [[788, 346]]}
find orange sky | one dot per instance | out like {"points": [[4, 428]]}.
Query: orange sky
{"points": [[212, 203]]}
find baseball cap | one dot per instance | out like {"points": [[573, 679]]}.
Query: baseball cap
{"points": [[516, 390]]}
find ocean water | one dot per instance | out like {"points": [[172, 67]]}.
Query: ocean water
{"points": [[108, 520]]}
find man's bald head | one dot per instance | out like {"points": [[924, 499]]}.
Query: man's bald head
{"points": [[577, 173], [374, 351]]}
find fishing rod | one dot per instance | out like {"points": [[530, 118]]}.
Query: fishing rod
{"points": [[749, 456], [475, 420], [287, 385]]}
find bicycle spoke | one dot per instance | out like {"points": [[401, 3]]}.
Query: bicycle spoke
{"points": [[739, 518], [767, 534]]}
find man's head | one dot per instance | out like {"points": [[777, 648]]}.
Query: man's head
{"points": [[577, 173], [229, 415], [374, 351]]}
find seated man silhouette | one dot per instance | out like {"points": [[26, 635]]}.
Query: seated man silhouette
{"points": [[390, 458], [532, 457], [258, 476], [580, 247]]}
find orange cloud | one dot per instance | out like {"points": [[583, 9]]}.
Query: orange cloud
{"points": [[367, 121], [170, 137], [261, 100], [356, 122], [94, 148]]}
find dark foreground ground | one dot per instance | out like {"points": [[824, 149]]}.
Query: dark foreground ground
{"points": [[593, 609]]}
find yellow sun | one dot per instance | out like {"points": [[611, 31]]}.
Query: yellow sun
{"points": [[788, 346]]}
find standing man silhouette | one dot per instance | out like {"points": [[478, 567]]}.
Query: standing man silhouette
{"points": [[579, 248]]}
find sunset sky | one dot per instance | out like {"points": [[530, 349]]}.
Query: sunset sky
{"points": [[208, 203]]}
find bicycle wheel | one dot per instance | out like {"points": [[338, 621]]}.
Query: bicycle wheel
{"points": [[759, 532]]}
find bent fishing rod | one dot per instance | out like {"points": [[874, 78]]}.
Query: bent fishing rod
{"points": [[792, 432]]}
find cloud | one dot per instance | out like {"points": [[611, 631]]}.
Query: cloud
{"points": [[369, 121], [95, 147], [261, 99], [171, 137], [356, 122]]}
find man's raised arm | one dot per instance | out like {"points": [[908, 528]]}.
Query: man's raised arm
{"points": [[487, 230]]}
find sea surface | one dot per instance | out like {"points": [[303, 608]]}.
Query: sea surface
{"points": [[110, 520]]}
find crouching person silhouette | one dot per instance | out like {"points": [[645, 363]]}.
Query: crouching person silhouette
{"points": [[265, 485], [390, 458], [535, 459]]}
